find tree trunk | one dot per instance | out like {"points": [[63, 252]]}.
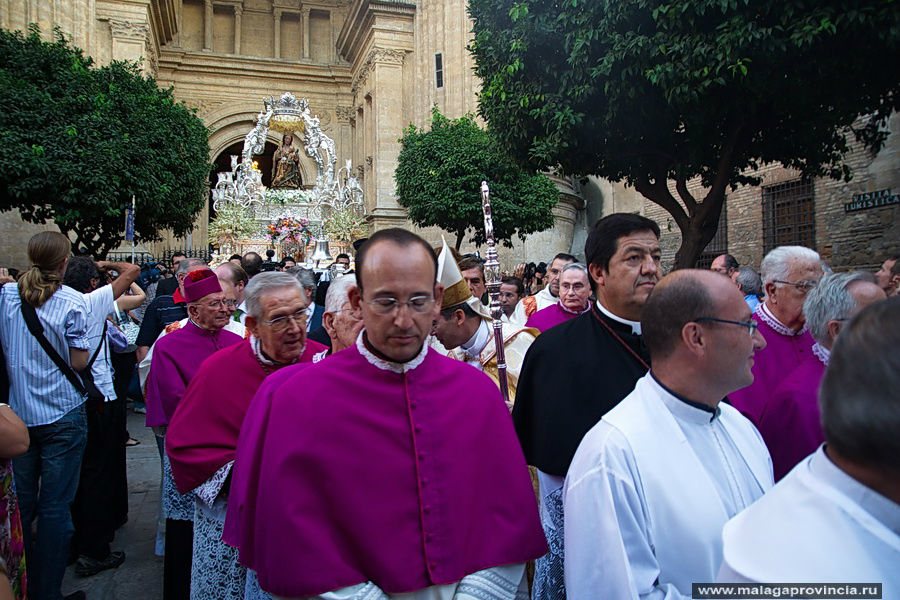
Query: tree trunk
{"points": [[702, 224], [459, 238], [698, 221]]}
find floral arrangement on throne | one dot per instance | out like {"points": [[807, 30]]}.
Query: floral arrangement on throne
{"points": [[232, 223], [291, 234], [346, 225]]}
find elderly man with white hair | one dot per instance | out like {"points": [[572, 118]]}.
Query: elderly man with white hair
{"points": [[307, 279], [835, 517], [340, 320], [203, 432], [788, 274], [790, 421]]}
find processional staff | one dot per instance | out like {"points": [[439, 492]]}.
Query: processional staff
{"points": [[492, 280]]}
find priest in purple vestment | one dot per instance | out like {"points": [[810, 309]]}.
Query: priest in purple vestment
{"points": [[790, 422], [176, 359], [574, 299], [788, 274], [203, 434], [386, 468]]}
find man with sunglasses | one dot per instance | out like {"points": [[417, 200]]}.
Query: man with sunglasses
{"points": [[653, 483], [176, 359], [386, 468], [788, 274], [203, 433]]}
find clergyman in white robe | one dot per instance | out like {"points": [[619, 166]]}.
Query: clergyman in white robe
{"points": [[817, 525], [649, 490]]}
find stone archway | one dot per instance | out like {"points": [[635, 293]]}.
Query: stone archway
{"points": [[227, 132]]}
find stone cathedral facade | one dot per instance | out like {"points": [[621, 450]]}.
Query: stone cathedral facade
{"points": [[369, 68]]}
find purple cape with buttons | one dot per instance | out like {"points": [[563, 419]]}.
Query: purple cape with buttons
{"points": [[790, 422], [356, 469], [176, 358], [783, 353]]}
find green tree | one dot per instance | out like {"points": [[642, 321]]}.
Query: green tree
{"points": [[77, 142], [439, 175], [655, 92]]}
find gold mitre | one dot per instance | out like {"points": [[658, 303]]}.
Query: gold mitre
{"points": [[456, 290]]}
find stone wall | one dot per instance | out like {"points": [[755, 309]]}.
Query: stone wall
{"points": [[856, 240]]}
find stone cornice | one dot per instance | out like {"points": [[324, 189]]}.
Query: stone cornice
{"points": [[163, 14], [386, 56], [298, 5], [357, 29], [122, 29], [173, 64]]}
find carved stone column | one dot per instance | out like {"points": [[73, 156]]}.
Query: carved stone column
{"points": [[304, 28], [384, 66], [131, 41], [332, 48], [238, 11], [277, 24], [208, 26]]}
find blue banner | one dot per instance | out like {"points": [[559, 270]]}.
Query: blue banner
{"points": [[129, 224]]}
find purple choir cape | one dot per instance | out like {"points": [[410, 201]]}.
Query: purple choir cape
{"points": [[789, 422], [176, 358], [203, 433], [783, 353], [554, 314], [355, 469]]}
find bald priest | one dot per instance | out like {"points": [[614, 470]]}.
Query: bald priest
{"points": [[406, 482]]}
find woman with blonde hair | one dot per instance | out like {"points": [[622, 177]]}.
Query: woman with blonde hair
{"points": [[41, 394]]}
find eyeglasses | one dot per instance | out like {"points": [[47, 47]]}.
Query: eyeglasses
{"points": [[386, 306], [752, 326], [804, 286], [220, 304], [281, 323]]}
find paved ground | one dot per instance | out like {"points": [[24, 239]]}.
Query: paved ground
{"points": [[140, 577]]}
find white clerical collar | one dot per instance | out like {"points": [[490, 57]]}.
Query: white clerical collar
{"points": [[635, 325], [263, 358], [821, 352], [563, 308], [387, 365], [473, 347], [684, 408], [763, 312]]}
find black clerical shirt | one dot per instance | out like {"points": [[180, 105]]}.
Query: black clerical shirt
{"points": [[572, 375]]}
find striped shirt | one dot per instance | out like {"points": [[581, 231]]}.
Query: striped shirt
{"points": [[39, 393], [100, 304]]}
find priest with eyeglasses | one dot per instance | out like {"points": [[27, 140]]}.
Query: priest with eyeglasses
{"points": [[386, 470], [176, 359], [203, 432], [653, 483], [788, 274]]}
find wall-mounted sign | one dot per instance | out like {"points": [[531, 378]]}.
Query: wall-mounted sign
{"points": [[868, 200]]}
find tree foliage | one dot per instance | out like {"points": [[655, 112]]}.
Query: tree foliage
{"points": [[77, 142], [657, 91], [439, 175]]}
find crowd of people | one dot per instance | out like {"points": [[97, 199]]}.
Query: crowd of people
{"points": [[360, 436]]}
